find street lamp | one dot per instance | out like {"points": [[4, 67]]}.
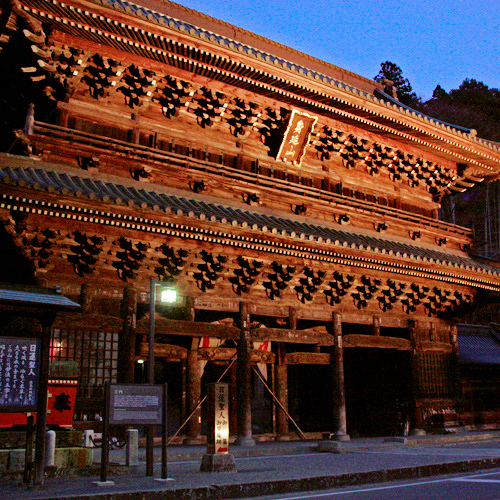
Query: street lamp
{"points": [[168, 295]]}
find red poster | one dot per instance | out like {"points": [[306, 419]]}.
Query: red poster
{"points": [[60, 405]]}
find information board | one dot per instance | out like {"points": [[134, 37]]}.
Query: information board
{"points": [[132, 404], [19, 373]]}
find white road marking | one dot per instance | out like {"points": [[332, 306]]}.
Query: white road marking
{"points": [[447, 453], [477, 480], [391, 487], [472, 479]]}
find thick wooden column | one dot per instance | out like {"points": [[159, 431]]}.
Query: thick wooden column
{"points": [[43, 381], [85, 299], [233, 400], [193, 384], [453, 339], [337, 362], [126, 352], [281, 373], [281, 382], [244, 379], [416, 421]]}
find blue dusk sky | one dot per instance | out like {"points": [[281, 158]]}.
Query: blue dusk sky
{"points": [[432, 41]]}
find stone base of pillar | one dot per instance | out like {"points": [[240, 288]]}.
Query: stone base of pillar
{"points": [[244, 441], [192, 441], [417, 432], [327, 446], [223, 462], [282, 437], [336, 436]]}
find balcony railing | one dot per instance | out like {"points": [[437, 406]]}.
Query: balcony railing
{"points": [[108, 145]]}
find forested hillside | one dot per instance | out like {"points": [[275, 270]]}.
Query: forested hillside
{"points": [[473, 105]]}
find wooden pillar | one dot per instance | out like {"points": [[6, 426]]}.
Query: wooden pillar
{"points": [[376, 326], [233, 400], [416, 422], [281, 377], [63, 117], [136, 132], [43, 381], [193, 384], [455, 362], [244, 380], [281, 382], [126, 352], [85, 299], [337, 362], [193, 395]]}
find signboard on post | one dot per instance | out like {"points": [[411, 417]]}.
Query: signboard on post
{"points": [[218, 419], [133, 404], [136, 404], [19, 373], [218, 458]]}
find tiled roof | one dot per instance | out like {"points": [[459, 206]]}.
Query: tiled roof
{"points": [[34, 296], [185, 27], [478, 344], [189, 205]]}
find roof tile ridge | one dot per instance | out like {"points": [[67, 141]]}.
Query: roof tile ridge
{"points": [[270, 42]]}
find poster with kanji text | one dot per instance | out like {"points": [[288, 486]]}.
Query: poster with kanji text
{"points": [[19, 373]]}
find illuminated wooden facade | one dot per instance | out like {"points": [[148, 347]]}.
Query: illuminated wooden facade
{"points": [[292, 205]]}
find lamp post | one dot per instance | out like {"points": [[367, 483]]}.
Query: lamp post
{"points": [[167, 295]]}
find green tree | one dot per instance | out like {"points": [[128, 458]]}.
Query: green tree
{"points": [[473, 105], [393, 73]]}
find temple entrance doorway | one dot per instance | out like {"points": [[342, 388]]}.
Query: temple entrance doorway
{"points": [[310, 400], [378, 390]]}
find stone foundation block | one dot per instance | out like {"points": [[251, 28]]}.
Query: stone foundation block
{"points": [[218, 463]]}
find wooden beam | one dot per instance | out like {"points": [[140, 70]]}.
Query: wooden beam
{"points": [[376, 342], [88, 321], [291, 336], [165, 326], [441, 347], [307, 358]]}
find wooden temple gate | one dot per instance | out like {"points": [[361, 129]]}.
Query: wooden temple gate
{"points": [[320, 403], [291, 203]]}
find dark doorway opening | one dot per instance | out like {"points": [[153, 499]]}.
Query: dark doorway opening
{"points": [[171, 373], [310, 397], [377, 387]]}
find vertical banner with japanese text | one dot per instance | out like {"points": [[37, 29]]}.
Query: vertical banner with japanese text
{"points": [[19, 373], [296, 138], [218, 419]]}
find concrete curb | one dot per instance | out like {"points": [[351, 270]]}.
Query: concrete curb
{"points": [[292, 485]]}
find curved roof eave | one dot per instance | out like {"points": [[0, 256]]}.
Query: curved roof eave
{"points": [[408, 124], [458, 267], [288, 65]]}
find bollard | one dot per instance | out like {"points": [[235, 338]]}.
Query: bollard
{"points": [[132, 447], [88, 438], [50, 449]]}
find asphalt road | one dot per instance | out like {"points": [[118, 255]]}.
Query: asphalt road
{"points": [[476, 486]]}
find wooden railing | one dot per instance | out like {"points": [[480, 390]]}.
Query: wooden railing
{"points": [[117, 147]]}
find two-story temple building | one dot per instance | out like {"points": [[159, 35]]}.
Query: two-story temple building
{"points": [[291, 204]]}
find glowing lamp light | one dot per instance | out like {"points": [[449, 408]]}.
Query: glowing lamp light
{"points": [[168, 295]]}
